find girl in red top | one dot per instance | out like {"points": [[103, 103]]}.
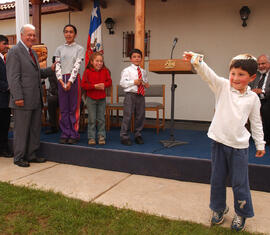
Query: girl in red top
{"points": [[96, 79]]}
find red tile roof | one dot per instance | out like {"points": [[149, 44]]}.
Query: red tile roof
{"points": [[11, 5]]}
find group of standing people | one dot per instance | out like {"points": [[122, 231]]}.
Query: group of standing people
{"points": [[235, 105], [95, 80], [21, 90]]}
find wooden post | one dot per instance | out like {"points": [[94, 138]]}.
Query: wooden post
{"points": [[140, 26], [36, 18]]}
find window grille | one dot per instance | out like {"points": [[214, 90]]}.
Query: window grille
{"points": [[128, 43]]}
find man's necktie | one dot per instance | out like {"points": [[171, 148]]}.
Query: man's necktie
{"points": [[32, 55], [261, 82], [140, 87]]}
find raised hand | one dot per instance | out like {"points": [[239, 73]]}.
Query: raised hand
{"points": [[257, 90], [187, 56]]}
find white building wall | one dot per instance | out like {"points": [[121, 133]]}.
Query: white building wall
{"points": [[210, 27]]}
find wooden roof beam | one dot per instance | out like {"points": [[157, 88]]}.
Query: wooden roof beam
{"points": [[46, 9], [8, 14], [73, 4], [36, 18], [132, 2], [102, 3], [140, 27]]}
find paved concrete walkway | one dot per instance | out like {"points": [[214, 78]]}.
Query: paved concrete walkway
{"points": [[169, 198]]}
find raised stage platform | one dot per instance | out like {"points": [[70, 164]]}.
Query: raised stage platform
{"points": [[190, 162]]}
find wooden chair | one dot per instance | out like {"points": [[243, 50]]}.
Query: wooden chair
{"points": [[159, 92], [109, 95], [152, 91], [118, 106]]}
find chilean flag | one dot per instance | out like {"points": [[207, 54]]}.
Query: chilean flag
{"points": [[94, 41]]}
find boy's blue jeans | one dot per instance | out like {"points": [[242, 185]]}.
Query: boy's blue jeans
{"points": [[96, 116], [234, 162]]}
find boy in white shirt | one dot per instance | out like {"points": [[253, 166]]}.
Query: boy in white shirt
{"points": [[235, 105], [134, 81]]}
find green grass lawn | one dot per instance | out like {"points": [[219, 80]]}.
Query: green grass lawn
{"points": [[27, 211]]}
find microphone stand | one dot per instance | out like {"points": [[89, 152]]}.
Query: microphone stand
{"points": [[172, 142], [174, 44]]}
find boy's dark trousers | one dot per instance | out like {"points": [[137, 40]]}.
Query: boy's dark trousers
{"points": [[52, 110], [4, 127], [234, 162], [53, 101], [133, 103]]}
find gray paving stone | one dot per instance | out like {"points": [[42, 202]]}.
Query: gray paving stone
{"points": [[10, 172], [169, 198], [181, 200], [74, 181]]}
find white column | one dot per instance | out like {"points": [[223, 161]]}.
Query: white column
{"points": [[22, 15]]}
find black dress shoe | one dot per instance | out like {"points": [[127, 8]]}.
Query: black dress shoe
{"points": [[139, 140], [126, 142], [22, 163], [63, 141], [6, 153], [38, 160], [50, 131], [72, 141]]}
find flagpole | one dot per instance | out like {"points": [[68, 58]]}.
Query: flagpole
{"points": [[36, 18], [94, 40]]}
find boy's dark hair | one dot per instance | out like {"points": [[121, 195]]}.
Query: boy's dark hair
{"points": [[250, 65], [135, 50], [72, 26], [3, 38]]}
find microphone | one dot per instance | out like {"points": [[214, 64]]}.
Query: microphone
{"points": [[174, 44], [175, 41]]}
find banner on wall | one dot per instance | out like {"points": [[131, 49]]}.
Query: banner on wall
{"points": [[94, 41]]}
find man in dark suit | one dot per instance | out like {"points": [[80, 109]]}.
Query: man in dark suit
{"points": [[4, 100], [24, 78], [261, 86]]}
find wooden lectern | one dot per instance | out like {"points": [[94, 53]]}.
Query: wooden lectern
{"points": [[171, 66]]}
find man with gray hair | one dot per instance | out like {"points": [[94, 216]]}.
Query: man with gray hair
{"points": [[261, 86], [24, 79]]}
